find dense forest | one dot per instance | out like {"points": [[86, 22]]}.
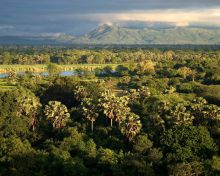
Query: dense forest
{"points": [[156, 112]]}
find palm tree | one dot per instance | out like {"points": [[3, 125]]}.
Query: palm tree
{"points": [[57, 114], [131, 126], [204, 111], [121, 109], [80, 93], [114, 107], [89, 111], [107, 103], [133, 95], [138, 94], [144, 92], [29, 106], [179, 115]]}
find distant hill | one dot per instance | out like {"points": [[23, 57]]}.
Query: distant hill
{"points": [[107, 34], [177, 35]]}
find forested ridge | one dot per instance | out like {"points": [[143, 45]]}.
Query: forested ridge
{"points": [[139, 112]]}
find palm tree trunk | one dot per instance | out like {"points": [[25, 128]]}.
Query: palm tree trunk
{"points": [[193, 78]]}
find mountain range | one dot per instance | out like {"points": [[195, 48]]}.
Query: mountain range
{"points": [[112, 34]]}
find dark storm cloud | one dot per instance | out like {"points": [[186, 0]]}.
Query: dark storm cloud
{"points": [[72, 16]]}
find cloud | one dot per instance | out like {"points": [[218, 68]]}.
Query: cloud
{"points": [[80, 16], [179, 17], [6, 27]]}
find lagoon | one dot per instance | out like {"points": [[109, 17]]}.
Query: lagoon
{"points": [[63, 73]]}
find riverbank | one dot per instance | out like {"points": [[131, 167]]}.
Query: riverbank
{"points": [[43, 68]]}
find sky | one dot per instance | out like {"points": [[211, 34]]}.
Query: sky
{"points": [[76, 17]]}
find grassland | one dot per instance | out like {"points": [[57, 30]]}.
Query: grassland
{"points": [[4, 85]]}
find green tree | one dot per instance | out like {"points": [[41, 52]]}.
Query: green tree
{"points": [[186, 169], [53, 69], [108, 70], [146, 67], [6, 58], [107, 158], [187, 143], [142, 144], [216, 164], [122, 70], [184, 72]]}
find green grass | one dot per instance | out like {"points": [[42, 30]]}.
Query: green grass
{"points": [[5, 86]]}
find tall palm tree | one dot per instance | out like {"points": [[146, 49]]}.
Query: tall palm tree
{"points": [[121, 109], [178, 114], [29, 106], [89, 110], [131, 126], [107, 103], [114, 107], [57, 114]]}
